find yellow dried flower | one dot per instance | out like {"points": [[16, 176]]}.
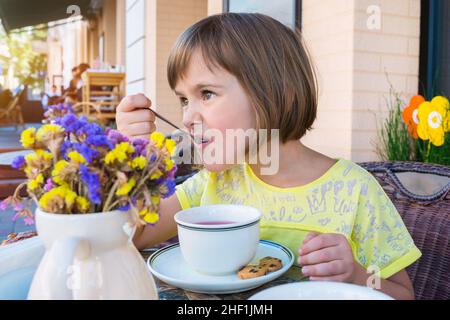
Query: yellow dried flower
{"points": [[49, 132], [126, 188], [155, 200], [39, 161], [138, 163], [120, 153], [57, 197], [156, 175], [169, 163], [82, 204], [28, 138], [56, 173], [149, 216], [36, 182], [170, 145], [76, 157], [158, 138]]}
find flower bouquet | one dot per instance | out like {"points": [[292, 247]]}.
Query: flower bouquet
{"points": [[92, 187], [79, 168]]}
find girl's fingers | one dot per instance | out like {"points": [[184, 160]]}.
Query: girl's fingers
{"points": [[320, 256], [327, 269], [145, 136], [133, 102], [319, 242], [127, 120], [308, 237], [142, 115], [139, 129], [337, 278]]}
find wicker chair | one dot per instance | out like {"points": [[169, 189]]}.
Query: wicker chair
{"points": [[94, 112], [427, 218]]}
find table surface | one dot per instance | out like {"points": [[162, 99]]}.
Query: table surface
{"points": [[168, 292]]}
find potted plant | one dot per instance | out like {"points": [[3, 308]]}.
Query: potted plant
{"points": [[419, 131]]}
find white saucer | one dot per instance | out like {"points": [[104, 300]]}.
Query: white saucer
{"points": [[168, 265], [315, 290]]}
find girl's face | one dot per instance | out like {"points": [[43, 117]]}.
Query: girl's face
{"points": [[212, 102]]}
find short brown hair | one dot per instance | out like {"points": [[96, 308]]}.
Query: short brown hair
{"points": [[269, 60]]}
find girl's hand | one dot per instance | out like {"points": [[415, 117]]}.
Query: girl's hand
{"points": [[327, 257], [133, 117]]}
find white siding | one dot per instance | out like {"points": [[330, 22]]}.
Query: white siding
{"points": [[135, 43], [136, 87]]}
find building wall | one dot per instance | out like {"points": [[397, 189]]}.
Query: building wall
{"points": [[356, 61], [390, 52], [151, 28], [173, 17], [92, 42], [215, 7], [134, 45], [327, 28], [107, 26], [120, 31]]}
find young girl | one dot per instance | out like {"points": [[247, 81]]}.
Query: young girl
{"points": [[248, 71]]}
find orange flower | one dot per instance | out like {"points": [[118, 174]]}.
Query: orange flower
{"points": [[410, 115]]}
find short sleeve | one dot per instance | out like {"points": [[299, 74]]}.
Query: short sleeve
{"points": [[381, 239], [190, 192]]}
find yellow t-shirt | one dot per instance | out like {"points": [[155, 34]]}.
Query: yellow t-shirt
{"points": [[346, 200]]}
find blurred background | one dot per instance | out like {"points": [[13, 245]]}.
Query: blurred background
{"points": [[372, 56]]}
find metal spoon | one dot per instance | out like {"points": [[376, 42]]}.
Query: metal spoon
{"points": [[170, 123]]}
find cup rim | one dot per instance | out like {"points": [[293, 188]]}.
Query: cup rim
{"points": [[217, 227], [63, 216]]}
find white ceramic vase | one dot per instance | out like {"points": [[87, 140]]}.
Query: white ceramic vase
{"points": [[90, 257]]}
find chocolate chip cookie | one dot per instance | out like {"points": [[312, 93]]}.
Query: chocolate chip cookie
{"points": [[252, 271], [272, 264]]}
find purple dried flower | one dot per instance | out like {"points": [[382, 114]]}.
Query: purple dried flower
{"points": [[88, 153], [116, 137], [170, 184], [90, 129], [171, 173], [16, 216], [70, 122], [65, 146], [125, 207], [92, 182], [28, 221], [4, 204], [140, 146], [18, 206], [18, 162], [49, 185], [99, 141]]}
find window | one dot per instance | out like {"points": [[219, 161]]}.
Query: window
{"points": [[285, 11], [434, 71]]}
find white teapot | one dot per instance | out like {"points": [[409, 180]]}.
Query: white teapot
{"points": [[90, 257]]}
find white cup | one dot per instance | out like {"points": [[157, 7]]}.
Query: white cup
{"points": [[218, 249]]}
